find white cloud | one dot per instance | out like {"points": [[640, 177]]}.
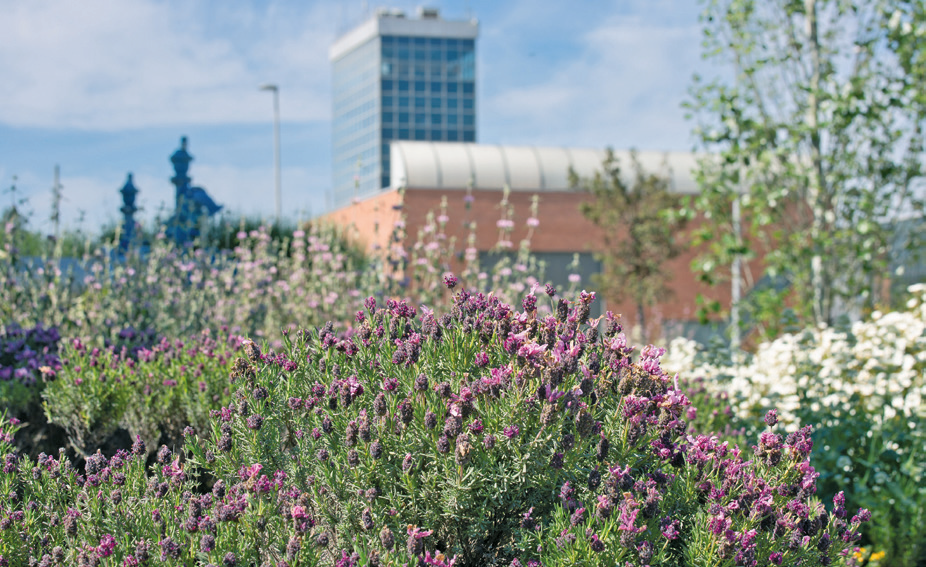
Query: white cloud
{"points": [[108, 65], [624, 87]]}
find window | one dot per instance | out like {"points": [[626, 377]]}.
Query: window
{"points": [[419, 86], [435, 119], [419, 102], [469, 136], [419, 55], [386, 69], [469, 88], [419, 71], [419, 118], [436, 135], [451, 120], [385, 181], [451, 87], [452, 135], [435, 102], [452, 102], [435, 87], [403, 119], [435, 55], [403, 134], [387, 85], [387, 101], [403, 86], [435, 42], [387, 133], [402, 53], [402, 40], [468, 103], [420, 41], [387, 117], [403, 102], [469, 120], [419, 134]]}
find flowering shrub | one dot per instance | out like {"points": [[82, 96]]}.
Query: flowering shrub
{"points": [[261, 284], [259, 287], [864, 387], [28, 358], [27, 353], [153, 393], [484, 436]]}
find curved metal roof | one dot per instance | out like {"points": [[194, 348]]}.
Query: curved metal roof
{"points": [[452, 165]]}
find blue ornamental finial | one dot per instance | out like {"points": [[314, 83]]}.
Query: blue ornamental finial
{"points": [[128, 211], [191, 202]]}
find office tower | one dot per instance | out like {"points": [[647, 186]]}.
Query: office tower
{"points": [[396, 78]]}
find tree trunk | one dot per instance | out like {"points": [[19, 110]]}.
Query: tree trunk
{"points": [[818, 191], [641, 320]]}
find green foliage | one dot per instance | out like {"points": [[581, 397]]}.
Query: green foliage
{"points": [[639, 224], [818, 129]]}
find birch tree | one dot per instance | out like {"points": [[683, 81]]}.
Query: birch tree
{"points": [[814, 124]]}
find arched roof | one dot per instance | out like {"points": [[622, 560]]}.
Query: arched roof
{"points": [[452, 165]]}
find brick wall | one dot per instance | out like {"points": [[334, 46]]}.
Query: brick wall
{"points": [[562, 229]]}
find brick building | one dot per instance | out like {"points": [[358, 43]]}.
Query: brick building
{"points": [[429, 172]]}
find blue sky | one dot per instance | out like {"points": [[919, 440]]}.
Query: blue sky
{"points": [[104, 87]]}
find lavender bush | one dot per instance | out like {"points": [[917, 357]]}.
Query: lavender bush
{"points": [[484, 436], [152, 393]]}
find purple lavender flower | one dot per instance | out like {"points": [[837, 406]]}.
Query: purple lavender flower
{"points": [[408, 463], [376, 449], [511, 431], [138, 447], [405, 411], [292, 548], [366, 519], [169, 549], [230, 560], [450, 281], [415, 546], [771, 418], [387, 538], [556, 461], [255, 421], [379, 404], [596, 544]]}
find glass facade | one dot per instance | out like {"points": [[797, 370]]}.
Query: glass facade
{"points": [[398, 87]]}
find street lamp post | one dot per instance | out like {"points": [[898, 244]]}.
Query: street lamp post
{"points": [[276, 146]]}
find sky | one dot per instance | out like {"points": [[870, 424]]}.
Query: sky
{"points": [[102, 88]]}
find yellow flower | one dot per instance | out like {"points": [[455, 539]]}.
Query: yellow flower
{"points": [[877, 556], [860, 554]]}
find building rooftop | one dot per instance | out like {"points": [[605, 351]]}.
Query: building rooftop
{"points": [[451, 165], [394, 22]]}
